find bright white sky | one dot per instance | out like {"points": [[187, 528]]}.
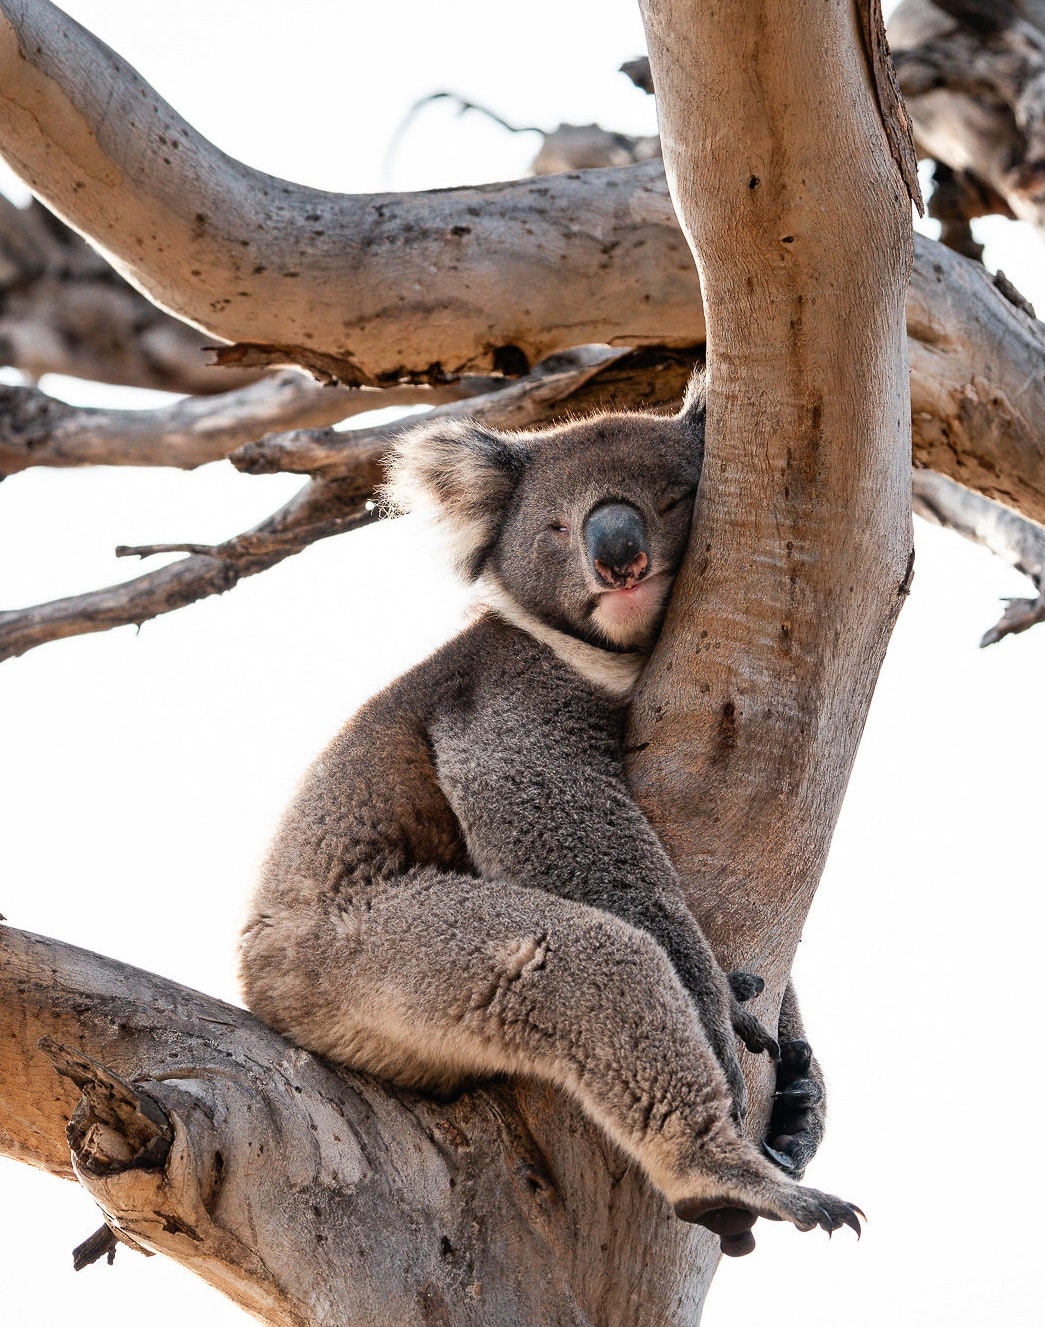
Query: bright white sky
{"points": [[143, 772]]}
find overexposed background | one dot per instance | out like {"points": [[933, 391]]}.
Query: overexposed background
{"points": [[142, 771]]}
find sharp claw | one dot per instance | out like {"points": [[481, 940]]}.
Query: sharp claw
{"points": [[779, 1158], [801, 1091], [852, 1220]]}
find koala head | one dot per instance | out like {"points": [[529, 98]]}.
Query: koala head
{"points": [[581, 527]]}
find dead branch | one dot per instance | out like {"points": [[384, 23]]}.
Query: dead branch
{"points": [[1019, 542], [590, 147], [977, 398], [37, 430], [341, 499], [64, 310], [603, 260], [977, 387], [973, 75], [532, 400], [254, 259]]}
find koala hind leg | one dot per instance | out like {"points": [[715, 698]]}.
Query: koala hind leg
{"points": [[493, 978]]}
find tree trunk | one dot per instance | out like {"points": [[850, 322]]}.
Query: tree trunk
{"points": [[749, 714], [312, 1196]]}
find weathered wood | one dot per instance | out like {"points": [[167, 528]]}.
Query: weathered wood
{"points": [[748, 716], [973, 75], [340, 499], [511, 272], [251, 258], [1017, 541], [313, 1196], [64, 310], [37, 430]]}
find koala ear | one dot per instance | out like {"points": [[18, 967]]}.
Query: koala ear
{"points": [[461, 476], [694, 403]]}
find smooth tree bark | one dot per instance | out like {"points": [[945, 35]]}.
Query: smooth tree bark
{"points": [[315, 1196], [775, 127]]}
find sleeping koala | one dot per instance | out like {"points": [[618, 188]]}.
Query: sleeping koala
{"points": [[464, 886]]}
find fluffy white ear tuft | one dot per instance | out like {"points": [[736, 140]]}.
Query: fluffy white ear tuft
{"points": [[460, 476], [694, 403]]}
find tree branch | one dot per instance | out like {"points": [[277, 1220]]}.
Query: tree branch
{"points": [[64, 310], [254, 259], [340, 499], [312, 1162], [973, 75], [603, 260], [977, 387], [37, 430], [1019, 542]]}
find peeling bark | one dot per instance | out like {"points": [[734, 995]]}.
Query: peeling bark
{"points": [[973, 75], [364, 1204]]}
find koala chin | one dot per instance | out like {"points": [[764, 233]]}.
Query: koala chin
{"points": [[463, 885]]}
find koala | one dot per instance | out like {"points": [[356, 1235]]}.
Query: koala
{"points": [[464, 886]]}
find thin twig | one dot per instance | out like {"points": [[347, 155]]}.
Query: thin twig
{"points": [[1017, 540]]}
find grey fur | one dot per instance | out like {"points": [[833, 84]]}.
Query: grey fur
{"points": [[464, 885]]}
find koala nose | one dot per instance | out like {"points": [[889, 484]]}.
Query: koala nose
{"points": [[615, 536]]}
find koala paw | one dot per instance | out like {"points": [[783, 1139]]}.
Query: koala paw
{"points": [[796, 1124], [744, 986]]}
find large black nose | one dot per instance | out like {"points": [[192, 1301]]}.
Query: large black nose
{"points": [[615, 536]]}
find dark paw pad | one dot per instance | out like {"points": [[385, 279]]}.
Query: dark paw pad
{"points": [[795, 1058]]}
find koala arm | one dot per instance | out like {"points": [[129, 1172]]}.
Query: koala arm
{"points": [[550, 809]]}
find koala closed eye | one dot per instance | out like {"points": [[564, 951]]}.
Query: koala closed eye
{"points": [[677, 501]]}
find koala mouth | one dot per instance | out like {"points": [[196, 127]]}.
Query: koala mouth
{"points": [[628, 615]]}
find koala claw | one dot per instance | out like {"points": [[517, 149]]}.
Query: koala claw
{"points": [[778, 1157], [835, 1213], [801, 1094]]}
